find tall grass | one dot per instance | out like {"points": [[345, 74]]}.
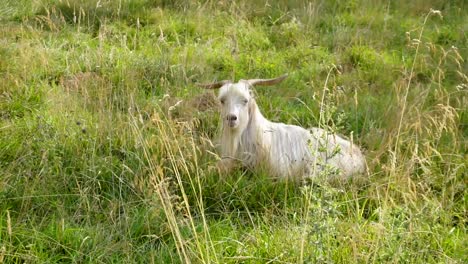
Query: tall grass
{"points": [[107, 148]]}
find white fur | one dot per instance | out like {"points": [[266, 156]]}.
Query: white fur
{"points": [[283, 150]]}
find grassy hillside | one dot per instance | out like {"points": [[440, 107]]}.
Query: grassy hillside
{"points": [[107, 146]]}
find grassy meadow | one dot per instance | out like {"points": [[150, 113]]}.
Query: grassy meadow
{"points": [[108, 147]]}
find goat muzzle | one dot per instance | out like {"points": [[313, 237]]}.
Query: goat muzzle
{"points": [[231, 118]]}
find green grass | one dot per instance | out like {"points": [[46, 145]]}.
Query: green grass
{"points": [[96, 166]]}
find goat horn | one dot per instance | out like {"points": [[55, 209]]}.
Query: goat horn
{"points": [[266, 82], [215, 85]]}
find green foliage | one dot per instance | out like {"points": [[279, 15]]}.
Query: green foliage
{"points": [[107, 148]]}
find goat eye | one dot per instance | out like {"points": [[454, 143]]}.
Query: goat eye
{"points": [[245, 101], [222, 101]]}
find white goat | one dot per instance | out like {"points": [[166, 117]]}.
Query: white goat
{"points": [[283, 150]]}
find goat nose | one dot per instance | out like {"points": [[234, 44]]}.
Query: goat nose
{"points": [[231, 118]]}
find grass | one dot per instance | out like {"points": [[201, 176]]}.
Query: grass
{"points": [[107, 147]]}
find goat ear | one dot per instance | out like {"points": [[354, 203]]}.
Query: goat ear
{"points": [[215, 85], [252, 106], [266, 82]]}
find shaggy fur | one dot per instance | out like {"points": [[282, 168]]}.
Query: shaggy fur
{"points": [[280, 149]]}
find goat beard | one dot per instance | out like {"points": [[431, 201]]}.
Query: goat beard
{"points": [[230, 142]]}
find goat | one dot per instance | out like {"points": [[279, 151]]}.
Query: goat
{"points": [[283, 150]]}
